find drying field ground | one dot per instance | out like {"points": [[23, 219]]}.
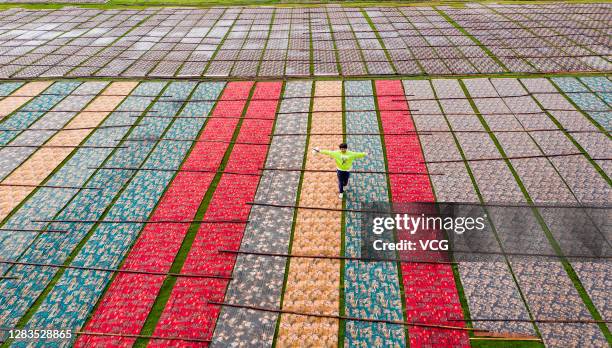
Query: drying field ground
{"points": [[269, 42], [181, 212], [157, 184]]}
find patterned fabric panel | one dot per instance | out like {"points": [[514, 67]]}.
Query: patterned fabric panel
{"points": [[47, 203], [104, 246], [130, 297], [7, 88], [431, 294], [586, 100], [258, 280], [372, 288]]}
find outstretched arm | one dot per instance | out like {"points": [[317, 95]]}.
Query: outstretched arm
{"points": [[325, 152], [360, 154]]}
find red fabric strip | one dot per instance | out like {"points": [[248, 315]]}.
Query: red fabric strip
{"points": [[430, 290]]}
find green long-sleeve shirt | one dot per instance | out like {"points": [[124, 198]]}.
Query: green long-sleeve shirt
{"points": [[344, 161]]}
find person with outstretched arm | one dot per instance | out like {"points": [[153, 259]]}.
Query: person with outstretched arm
{"points": [[344, 163]]}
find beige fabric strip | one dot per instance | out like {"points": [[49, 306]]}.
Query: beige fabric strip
{"points": [[313, 285]]}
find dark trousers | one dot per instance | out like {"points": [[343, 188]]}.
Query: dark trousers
{"points": [[343, 178]]}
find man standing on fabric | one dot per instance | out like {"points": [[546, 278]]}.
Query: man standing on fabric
{"points": [[344, 163]]}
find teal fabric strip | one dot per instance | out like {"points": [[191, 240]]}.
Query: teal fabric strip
{"points": [[586, 100], [372, 288], [9, 87], [600, 85]]}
